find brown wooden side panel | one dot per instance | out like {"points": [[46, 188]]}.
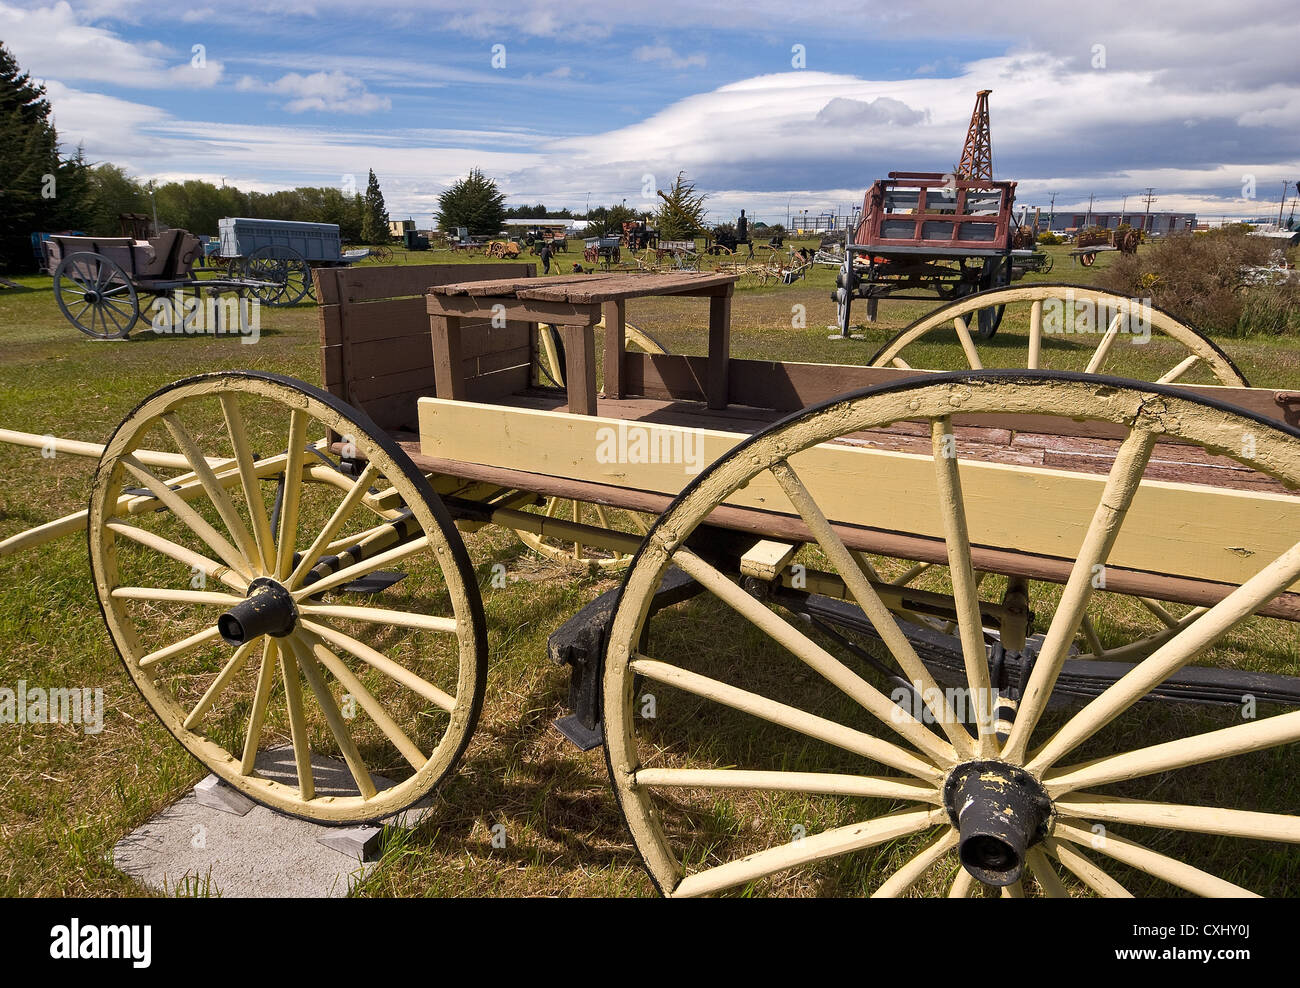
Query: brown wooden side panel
{"points": [[375, 346], [788, 387]]}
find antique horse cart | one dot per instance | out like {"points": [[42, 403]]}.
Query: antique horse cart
{"points": [[929, 233], [885, 630], [99, 282]]}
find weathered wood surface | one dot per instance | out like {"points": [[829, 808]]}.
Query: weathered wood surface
{"points": [[376, 349], [592, 289]]}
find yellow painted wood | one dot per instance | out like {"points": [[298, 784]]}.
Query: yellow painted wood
{"points": [[765, 559], [1178, 529]]}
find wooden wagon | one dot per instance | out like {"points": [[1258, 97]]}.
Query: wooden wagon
{"points": [[929, 233], [774, 659]]}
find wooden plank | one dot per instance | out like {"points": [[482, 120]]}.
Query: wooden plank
{"points": [[580, 369], [327, 285], [479, 338], [385, 319], [615, 314], [719, 350], [496, 360], [1182, 530], [486, 307], [499, 384], [788, 386], [362, 284], [767, 525], [613, 287], [448, 362], [493, 286]]}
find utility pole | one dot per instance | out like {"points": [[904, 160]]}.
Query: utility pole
{"points": [[153, 202], [1285, 183], [1087, 220], [1051, 215], [1122, 210], [1148, 198]]}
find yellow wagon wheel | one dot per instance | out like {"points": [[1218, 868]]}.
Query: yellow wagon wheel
{"points": [[551, 358], [1093, 319], [236, 622], [722, 751], [1103, 341]]}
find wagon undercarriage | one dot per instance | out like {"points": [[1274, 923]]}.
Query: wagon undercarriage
{"points": [[867, 596]]}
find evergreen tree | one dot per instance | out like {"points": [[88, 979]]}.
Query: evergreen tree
{"points": [[681, 215], [374, 220], [29, 161], [473, 202]]}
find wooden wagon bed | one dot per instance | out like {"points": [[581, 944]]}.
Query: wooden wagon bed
{"points": [[460, 416]]}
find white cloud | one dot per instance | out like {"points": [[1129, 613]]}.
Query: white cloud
{"points": [[323, 92], [842, 112], [54, 42], [665, 55]]}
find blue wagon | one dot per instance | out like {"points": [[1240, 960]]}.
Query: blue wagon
{"points": [[282, 252]]}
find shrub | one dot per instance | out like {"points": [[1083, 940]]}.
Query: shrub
{"points": [[1049, 239], [1199, 279]]}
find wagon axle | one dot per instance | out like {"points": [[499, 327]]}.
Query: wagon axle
{"points": [[268, 610], [1000, 812]]}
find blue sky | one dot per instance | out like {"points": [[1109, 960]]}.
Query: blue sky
{"points": [[606, 100]]}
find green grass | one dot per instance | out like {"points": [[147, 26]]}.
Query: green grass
{"points": [[66, 797]]}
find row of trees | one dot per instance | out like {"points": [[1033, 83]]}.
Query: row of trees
{"points": [[43, 190], [478, 204]]}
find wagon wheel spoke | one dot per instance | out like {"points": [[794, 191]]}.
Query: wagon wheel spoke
{"points": [[1203, 632], [1173, 816], [816, 658], [358, 570], [880, 787], [383, 663], [1125, 851], [176, 649], [965, 584], [1086, 870], [210, 537], [829, 843], [179, 596], [334, 718], [297, 719], [1239, 739], [1045, 875], [1120, 488], [1179, 369], [908, 875], [1103, 348], [248, 479], [335, 524], [967, 344], [783, 715], [232, 668], [1013, 891], [366, 700], [225, 508], [286, 537], [850, 569], [188, 557], [261, 697], [962, 886]]}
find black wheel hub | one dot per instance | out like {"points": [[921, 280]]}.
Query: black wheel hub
{"points": [[267, 610], [1000, 812]]}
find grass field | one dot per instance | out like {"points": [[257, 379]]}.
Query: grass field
{"points": [[66, 797]]}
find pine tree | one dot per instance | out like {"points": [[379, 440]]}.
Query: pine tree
{"points": [[681, 215], [473, 202], [29, 160], [374, 219]]}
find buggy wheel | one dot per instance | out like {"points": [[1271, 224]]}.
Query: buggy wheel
{"points": [[96, 296], [285, 274], [732, 758], [1171, 350], [237, 625], [383, 253]]}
